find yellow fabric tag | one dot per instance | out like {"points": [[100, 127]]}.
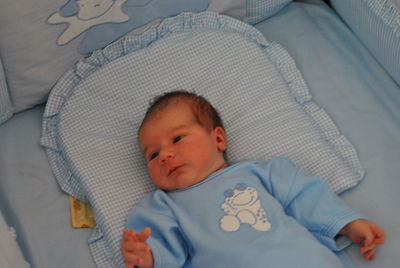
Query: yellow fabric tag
{"points": [[81, 214]]}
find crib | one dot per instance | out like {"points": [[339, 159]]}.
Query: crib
{"points": [[74, 80]]}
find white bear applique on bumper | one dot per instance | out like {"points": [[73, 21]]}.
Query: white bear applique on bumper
{"points": [[243, 206]]}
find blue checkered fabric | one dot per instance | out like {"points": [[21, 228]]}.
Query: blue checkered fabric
{"points": [[259, 10], [93, 113], [6, 110], [377, 24]]}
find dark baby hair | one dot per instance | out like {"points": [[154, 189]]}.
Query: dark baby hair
{"points": [[203, 111]]}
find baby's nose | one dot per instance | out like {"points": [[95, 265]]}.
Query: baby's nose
{"points": [[166, 154]]}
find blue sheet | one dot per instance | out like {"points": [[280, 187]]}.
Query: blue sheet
{"points": [[31, 201], [10, 253]]}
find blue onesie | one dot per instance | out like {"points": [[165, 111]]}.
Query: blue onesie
{"points": [[251, 214]]}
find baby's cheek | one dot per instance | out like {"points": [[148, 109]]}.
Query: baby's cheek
{"points": [[155, 175]]}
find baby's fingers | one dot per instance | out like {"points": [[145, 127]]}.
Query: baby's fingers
{"points": [[137, 237], [128, 233], [366, 248], [370, 255], [144, 234], [379, 234], [138, 248], [380, 237], [368, 251], [131, 260]]}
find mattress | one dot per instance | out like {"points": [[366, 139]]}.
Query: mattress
{"points": [[344, 79], [32, 201]]}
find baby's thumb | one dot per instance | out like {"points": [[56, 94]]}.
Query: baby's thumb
{"points": [[145, 233]]}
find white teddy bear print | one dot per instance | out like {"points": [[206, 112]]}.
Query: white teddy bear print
{"points": [[243, 206], [91, 13]]}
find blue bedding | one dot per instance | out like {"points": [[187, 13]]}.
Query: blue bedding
{"points": [[93, 112], [31, 200], [10, 253], [362, 99], [343, 77]]}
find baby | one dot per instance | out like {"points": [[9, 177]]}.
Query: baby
{"points": [[253, 213]]}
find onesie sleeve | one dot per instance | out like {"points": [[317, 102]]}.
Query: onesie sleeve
{"points": [[311, 202], [166, 240]]}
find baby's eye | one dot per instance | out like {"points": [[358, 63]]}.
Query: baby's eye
{"points": [[176, 139], [153, 155]]}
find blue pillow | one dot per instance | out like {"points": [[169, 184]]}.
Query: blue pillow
{"points": [[40, 40], [377, 24], [94, 111], [105, 21]]}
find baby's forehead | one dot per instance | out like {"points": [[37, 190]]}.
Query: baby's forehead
{"points": [[163, 112], [186, 105], [175, 104]]}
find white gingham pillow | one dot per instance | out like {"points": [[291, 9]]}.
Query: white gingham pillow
{"points": [[92, 116]]}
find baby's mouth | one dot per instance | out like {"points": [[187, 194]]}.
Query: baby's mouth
{"points": [[172, 170]]}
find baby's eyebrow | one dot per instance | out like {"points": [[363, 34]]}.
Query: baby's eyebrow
{"points": [[175, 129], [144, 149], [181, 127]]}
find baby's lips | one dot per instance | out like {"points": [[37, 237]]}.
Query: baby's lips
{"points": [[172, 170]]}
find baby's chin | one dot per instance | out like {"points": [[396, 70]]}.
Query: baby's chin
{"points": [[185, 178], [179, 185]]}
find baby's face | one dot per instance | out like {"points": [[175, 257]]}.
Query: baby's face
{"points": [[178, 150]]}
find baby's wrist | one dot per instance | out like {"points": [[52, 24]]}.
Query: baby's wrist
{"points": [[347, 228]]}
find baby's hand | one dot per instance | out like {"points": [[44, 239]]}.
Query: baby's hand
{"points": [[135, 249], [366, 233]]}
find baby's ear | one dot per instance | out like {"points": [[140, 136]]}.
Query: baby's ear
{"points": [[220, 138]]}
